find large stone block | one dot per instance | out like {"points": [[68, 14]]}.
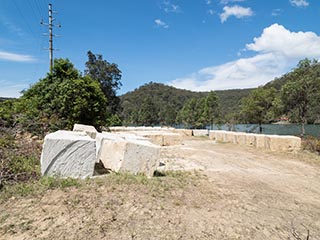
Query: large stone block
{"points": [[251, 140], [220, 136], [183, 132], [68, 154], [283, 143], [260, 141], [134, 156], [229, 137], [200, 132], [240, 138], [90, 130]]}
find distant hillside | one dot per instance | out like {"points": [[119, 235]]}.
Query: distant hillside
{"points": [[4, 99], [169, 100]]}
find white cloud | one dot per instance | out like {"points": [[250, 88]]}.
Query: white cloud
{"points": [[293, 45], [208, 2], [7, 56], [277, 51], [168, 7], [211, 12], [237, 11], [299, 3], [160, 23], [229, 1], [276, 12]]}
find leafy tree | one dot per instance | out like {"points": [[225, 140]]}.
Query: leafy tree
{"points": [[108, 75], [148, 113], [255, 107], [301, 92], [211, 108], [61, 99]]}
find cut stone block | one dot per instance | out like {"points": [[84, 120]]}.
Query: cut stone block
{"points": [[122, 155], [68, 154], [90, 130], [251, 140], [283, 143], [161, 138], [212, 135], [229, 137], [240, 138], [220, 136], [260, 141], [200, 132], [183, 132]]}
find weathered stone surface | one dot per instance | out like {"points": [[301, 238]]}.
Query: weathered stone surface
{"points": [[183, 132], [229, 137], [134, 156], [283, 143], [164, 138], [240, 138], [200, 132], [90, 130], [133, 129], [251, 140], [68, 154], [260, 141], [220, 136]]}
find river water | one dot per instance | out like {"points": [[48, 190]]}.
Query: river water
{"points": [[275, 129]]}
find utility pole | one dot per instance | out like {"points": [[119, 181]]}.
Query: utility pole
{"points": [[51, 35]]}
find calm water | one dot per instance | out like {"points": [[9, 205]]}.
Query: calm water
{"points": [[278, 129]]}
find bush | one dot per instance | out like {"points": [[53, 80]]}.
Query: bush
{"points": [[311, 144], [19, 158]]}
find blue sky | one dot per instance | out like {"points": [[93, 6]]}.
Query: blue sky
{"points": [[199, 45]]}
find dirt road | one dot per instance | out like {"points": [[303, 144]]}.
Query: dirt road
{"points": [[235, 193]]}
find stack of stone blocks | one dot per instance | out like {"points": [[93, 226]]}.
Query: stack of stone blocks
{"points": [[260, 141]]}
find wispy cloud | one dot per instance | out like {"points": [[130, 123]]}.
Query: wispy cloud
{"points": [[169, 7], [277, 50], [230, 1], [276, 12], [208, 2], [299, 3], [237, 11], [13, 57], [160, 23]]}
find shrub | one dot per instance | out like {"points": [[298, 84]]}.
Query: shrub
{"points": [[311, 144]]}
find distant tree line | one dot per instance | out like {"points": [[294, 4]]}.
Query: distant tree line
{"points": [[66, 96]]}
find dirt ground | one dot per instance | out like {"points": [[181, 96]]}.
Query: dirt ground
{"points": [[232, 192]]}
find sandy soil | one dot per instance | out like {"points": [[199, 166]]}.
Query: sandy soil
{"points": [[235, 193]]}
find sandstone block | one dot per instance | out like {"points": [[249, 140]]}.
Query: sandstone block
{"points": [[90, 130], [220, 136], [200, 132], [283, 143], [260, 141], [229, 137], [122, 155], [251, 140], [183, 132], [240, 138], [68, 154]]}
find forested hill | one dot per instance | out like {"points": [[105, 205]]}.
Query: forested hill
{"points": [[167, 101], [4, 99]]}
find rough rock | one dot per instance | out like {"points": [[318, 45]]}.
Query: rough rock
{"points": [[229, 137], [260, 141], [220, 136], [134, 156], [68, 154], [90, 130]]}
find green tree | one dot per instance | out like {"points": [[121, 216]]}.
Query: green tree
{"points": [[301, 92], [107, 75], [255, 107], [61, 99], [211, 108], [148, 113]]}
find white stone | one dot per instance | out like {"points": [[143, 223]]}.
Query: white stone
{"points": [[220, 135], [240, 138], [68, 154], [200, 132], [283, 143], [229, 137], [134, 156], [183, 132], [90, 130], [260, 141], [251, 140]]}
